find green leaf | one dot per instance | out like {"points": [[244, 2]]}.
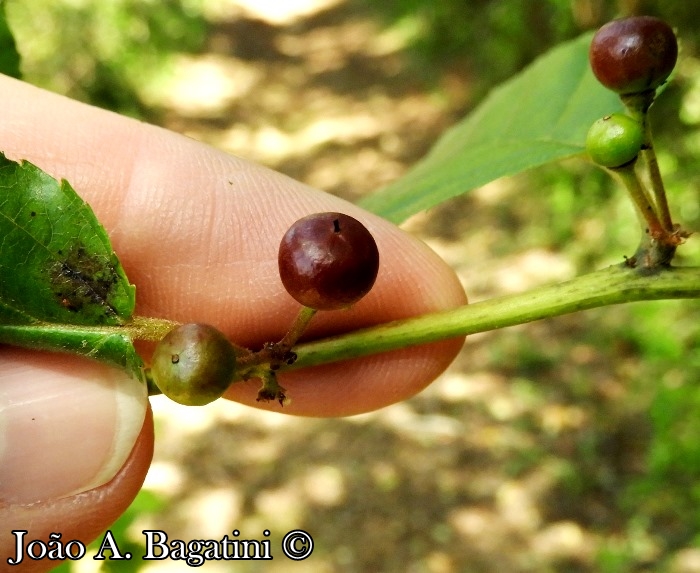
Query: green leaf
{"points": [[539, 116], [61, 284], [9, 57], [56, 261]]}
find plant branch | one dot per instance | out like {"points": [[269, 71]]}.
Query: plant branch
{"points": [[614, 285]]}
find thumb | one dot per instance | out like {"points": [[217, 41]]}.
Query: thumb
{"points": [[81, 423], [65, 433]]}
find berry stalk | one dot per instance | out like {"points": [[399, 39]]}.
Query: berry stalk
{"points": [[298, 327], [629, 178], [657, 184], [638, 107]]}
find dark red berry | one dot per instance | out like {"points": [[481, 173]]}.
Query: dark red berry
{"points": [[193, 364], [633, 55], [328, 261]]}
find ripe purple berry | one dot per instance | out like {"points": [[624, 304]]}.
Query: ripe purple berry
{"points": [[633, 55], [193, 364], [328, 261]]}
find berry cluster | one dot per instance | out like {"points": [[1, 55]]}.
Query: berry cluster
{"points": [[327, 261], [634, 57]]}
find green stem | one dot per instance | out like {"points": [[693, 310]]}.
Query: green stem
{"points": [[657, 183], [149, 329], [645, 210], [638, 107], [614, 285], [298, 327]]}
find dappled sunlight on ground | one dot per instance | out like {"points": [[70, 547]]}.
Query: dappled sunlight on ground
{"points": [[318, 101], [271, 11]]}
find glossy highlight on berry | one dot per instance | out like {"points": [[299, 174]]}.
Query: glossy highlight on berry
{"points": [[633, 55], [328, 261]]}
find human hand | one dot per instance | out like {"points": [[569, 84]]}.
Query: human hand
{"points": [[197, 231]]}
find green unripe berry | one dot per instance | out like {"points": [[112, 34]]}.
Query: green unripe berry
{"points": [[614, 140], [193, 364]]}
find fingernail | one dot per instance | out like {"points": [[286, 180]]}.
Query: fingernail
{"points": [[66, 425]]}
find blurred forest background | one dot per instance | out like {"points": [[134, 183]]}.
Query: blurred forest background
{"points": [[571, 444]]}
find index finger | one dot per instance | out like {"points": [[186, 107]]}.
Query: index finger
{"points": [[197, 231]]}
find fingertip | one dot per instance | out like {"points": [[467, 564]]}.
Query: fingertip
{"points": [[198, 231]]}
